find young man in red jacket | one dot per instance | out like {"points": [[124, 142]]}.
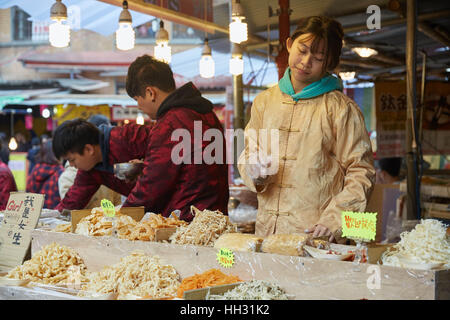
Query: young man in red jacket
{"points": [[167, 184], [94, 151]]}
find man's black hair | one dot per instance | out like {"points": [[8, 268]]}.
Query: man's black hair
{"points": [[146, 71], [73, 136]]}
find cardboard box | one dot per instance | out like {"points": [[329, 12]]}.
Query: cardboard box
{"points": [[135, 212], [375, 250], [383, 200], [200, 294]]}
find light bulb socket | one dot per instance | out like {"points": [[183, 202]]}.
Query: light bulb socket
{"points": [[236, 9], [161, 35], [58, 11], [206, 49], [236, 50], [125, 15]]}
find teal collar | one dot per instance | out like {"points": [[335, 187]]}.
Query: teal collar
{"points": [[326, 84]]}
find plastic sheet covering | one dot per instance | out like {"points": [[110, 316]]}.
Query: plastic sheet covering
{"points": [[243, 214], [33, 293], [300, 277]]}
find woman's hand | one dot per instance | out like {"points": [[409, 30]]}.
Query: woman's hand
{"points": [[259, 168], [319, 230]]}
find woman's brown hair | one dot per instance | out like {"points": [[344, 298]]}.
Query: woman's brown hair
{"points": [[326, 29]]}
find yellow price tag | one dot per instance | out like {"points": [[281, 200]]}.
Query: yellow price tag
{"points": [[108, 208], [359, 225], [225, 257]]}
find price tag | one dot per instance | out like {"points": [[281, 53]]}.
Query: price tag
{"points": [[108, 208], [20, 218], [359, 225], [225, 257]]}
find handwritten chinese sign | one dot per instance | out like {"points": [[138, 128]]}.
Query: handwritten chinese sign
{"points": [[108, 208], [225, 257], [20, 218], [359, 225]]}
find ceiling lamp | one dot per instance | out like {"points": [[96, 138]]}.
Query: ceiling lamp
{"points": [[346, 76], [163, 51], [46, 113], [12, 144], [238, 28], [236, 62], [125, 34], [364, 52], [206, 65], [59, 33]]}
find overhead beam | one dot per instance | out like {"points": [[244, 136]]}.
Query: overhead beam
{"points": [[427, 30], [422, 17], [177, 17]]}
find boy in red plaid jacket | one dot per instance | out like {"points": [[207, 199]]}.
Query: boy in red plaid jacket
{"points": [[94, 151]]}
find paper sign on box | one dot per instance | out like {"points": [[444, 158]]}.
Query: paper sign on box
{"points": [[20, 219], [359, 225]]}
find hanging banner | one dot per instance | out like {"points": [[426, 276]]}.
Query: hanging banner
{"points": [[19, 168], [71, 111], [390, 101]]}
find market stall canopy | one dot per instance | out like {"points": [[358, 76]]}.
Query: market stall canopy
{"points": [[81, 100], [259, 72], [92, 15]]}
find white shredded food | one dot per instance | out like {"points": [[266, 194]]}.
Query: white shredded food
{"points": [[426, 243], [206, 227], [137, 274], [54, 264], [252, 290]]}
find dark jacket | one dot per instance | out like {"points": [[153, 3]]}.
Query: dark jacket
{"points": [[7, 184], [164, 185], [44, 179], [118, 144]]}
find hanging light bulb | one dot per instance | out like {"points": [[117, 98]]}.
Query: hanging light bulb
{"points": [[364, 52], [346, 76], [163, 51], [12, 144], [206, 65], [140, 119], [238, 28], [46, 113], [236, 62], [59, 32], [125, 34]]}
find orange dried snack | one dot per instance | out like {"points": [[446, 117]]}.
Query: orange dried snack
{"points": [[212, 277]]}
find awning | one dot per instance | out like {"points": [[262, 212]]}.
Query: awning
{"points": [[81, 100], [18, 96]]}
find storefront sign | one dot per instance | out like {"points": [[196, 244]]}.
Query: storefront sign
{"points": [[20, 219], [390, 101], [359, 225], [127, 113], [71, 112], [225, 257]]}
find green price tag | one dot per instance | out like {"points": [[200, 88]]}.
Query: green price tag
{"points": [[359, 225], [108, 208], [225, 257]]}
